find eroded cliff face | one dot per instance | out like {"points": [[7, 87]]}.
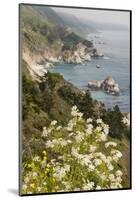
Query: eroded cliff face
{"points": [[40, 61], [46, 42]]}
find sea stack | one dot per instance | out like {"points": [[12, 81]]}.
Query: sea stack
{"points": [[108, 85]]}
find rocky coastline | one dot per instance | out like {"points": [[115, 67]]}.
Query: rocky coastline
{"points": [[108, 85]]}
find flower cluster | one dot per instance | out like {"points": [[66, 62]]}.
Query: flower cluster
{"points": [[77, 157], [126, 121]]}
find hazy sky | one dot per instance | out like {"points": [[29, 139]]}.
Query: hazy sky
{"points": [[100, 16]]}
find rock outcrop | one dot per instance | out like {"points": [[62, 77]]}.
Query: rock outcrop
{"points": [[79, 54], [96, 53], [108, 85]]}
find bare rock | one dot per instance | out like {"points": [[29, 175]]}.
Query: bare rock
{"points": [[108, 85]]}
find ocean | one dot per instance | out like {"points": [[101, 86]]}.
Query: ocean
{"points": [[115, 46]]}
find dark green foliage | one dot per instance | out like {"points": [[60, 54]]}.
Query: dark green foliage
{"points": [[88, 43], [114, 119], [84, 102]]}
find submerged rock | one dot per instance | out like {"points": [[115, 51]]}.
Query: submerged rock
{"points": [[94, 84], [108, 85]]}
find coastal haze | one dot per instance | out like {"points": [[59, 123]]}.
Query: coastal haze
{"points": [[111, 36]]}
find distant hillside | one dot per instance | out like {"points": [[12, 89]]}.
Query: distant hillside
{"points": [[47, 40], [80, 26]]}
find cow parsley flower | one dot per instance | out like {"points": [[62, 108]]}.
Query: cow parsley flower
{"points": [[79, 137], [49, 144], [89, 129], [53, 123], [126, 121], [74, 111], [58, 128], [45, 132], [97, 162], [89, 185], [74, 151], [111, 177], [106, 129], [108, 144], [99, 121], [36, 159], [89, 120], [92, 148], [98, 187], [24, 187], [118, 173], [70, 126], [59, 173], [116, 155]]}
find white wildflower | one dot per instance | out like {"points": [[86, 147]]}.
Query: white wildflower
{"points": [[89, 120], [97, 162], [67, 167], [103, 176], [53, 123], [111, 177], [99, 121], [92, 148], [108, 144], [109, 159], [98, 187], [91, 167], [45, 132], [100, 155], [39, 189], [59, 173], [126, 121], [118, 179], [85, 160], [102, 137], [89, 129], [116, 155], [80, 114], [36, 158], [63, 143], [24, 187], [70, 126], [71, 134], [106, 129], [110, 166], [74, 111], [118, 173], [76, 189], [79, 137], [98, 128], [58, 128], [67, 185], [89, 186], [34, 174], [74, 151], [49, 144], [115, 185], [26, 180]]}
